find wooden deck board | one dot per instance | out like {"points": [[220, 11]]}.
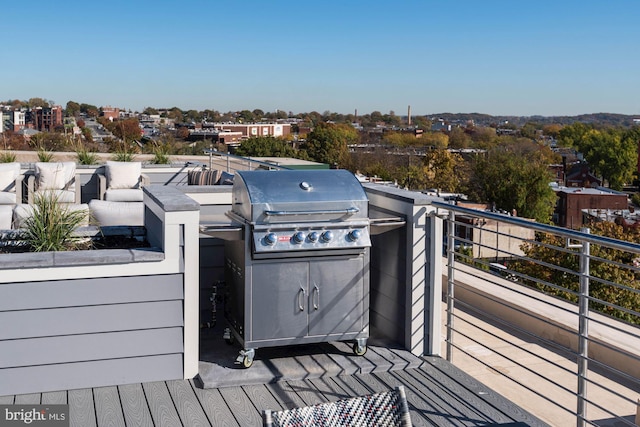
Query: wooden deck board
{"points": [[241, 406], [161, 406], [108, 407], [134, 405], [187, 404], [28, 399], [438, 395], [54, 398], [81, 408], [215, 407]]}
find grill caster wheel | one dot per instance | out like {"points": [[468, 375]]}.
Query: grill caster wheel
{"points": [[245, 358], [359, 350], [229, 338], [247, 362]]}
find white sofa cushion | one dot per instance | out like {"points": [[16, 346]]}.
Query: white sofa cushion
{"points": [[123, 174], [63, 196], [55, 176], [8, 174], [108, 213], [124, 195], [6, 217], [7, 198], [24, 211]]}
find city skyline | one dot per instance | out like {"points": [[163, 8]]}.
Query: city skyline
{"points": [[500, 58]]}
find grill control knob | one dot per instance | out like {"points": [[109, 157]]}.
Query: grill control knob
{"points": [[313, 237], [298, 237], [271, 239], [354, 235], [327, 236]]}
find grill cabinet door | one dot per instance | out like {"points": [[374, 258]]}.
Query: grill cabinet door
{"points": [[279, 290], [336, 296]]}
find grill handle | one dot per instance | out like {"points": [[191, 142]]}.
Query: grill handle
{"points": [[316, 298], [348, 211], [301, 293]]}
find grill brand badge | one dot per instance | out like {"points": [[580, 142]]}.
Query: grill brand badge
{"points": [[34, 415]]}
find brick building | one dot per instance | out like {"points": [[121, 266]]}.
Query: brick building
{"points": [[572, 201], [46, 118], [111, 113]]}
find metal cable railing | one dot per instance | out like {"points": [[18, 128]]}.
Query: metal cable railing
{"points": [[232, 163], [571, 300]]}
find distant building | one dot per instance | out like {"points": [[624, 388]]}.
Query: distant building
{"points": [[579, 175], [17, 120], [111, 113], [252, 130], [441, 125], [46, 118], [572, 201]]}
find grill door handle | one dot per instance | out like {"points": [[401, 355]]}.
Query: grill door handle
{"points": [[301, 293], [316, 297], [350, 211]]}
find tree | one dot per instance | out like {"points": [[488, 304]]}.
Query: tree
{"points": [[552, 130], [267, 146], [245, 116], [89, 110], [444, 170], [511, 179], [458, 138], [39, 102], [435, 139], [150, 111], [128, 130], [72, 109], [571, 135], [608, 265], [328, 143], [611, 153]]}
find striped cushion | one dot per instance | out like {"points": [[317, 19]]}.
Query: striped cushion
{"points": [[207, 177]]}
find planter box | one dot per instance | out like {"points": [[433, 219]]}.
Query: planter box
{"points": [[104, 317]]}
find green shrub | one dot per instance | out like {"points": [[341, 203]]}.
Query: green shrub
{"points": [[86, 157], [44, 155], [123, 156], [8, 157], [51, 225], [161, 156]]}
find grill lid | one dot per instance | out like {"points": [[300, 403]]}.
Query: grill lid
{"points": [[298, 195]]}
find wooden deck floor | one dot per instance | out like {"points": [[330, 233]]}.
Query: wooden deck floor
{"points": [[438, 394]]}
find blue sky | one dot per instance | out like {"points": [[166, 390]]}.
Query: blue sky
{"points": [[561, 57]]}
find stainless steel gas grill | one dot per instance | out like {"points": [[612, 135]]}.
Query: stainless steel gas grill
{"points": [[300, 274]]}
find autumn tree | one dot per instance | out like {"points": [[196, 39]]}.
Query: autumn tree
{"points": [[445, 170], [458, 138], [514, 179], [127, 130], [328, 143], [434, 139], [39, 102], [89, 110], [400, 139], [548, 260]]}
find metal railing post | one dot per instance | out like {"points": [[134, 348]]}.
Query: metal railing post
{"points": [[583, 332], [451, 251]]}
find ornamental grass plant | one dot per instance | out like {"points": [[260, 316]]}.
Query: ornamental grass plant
{"points": [[51, 225]]}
